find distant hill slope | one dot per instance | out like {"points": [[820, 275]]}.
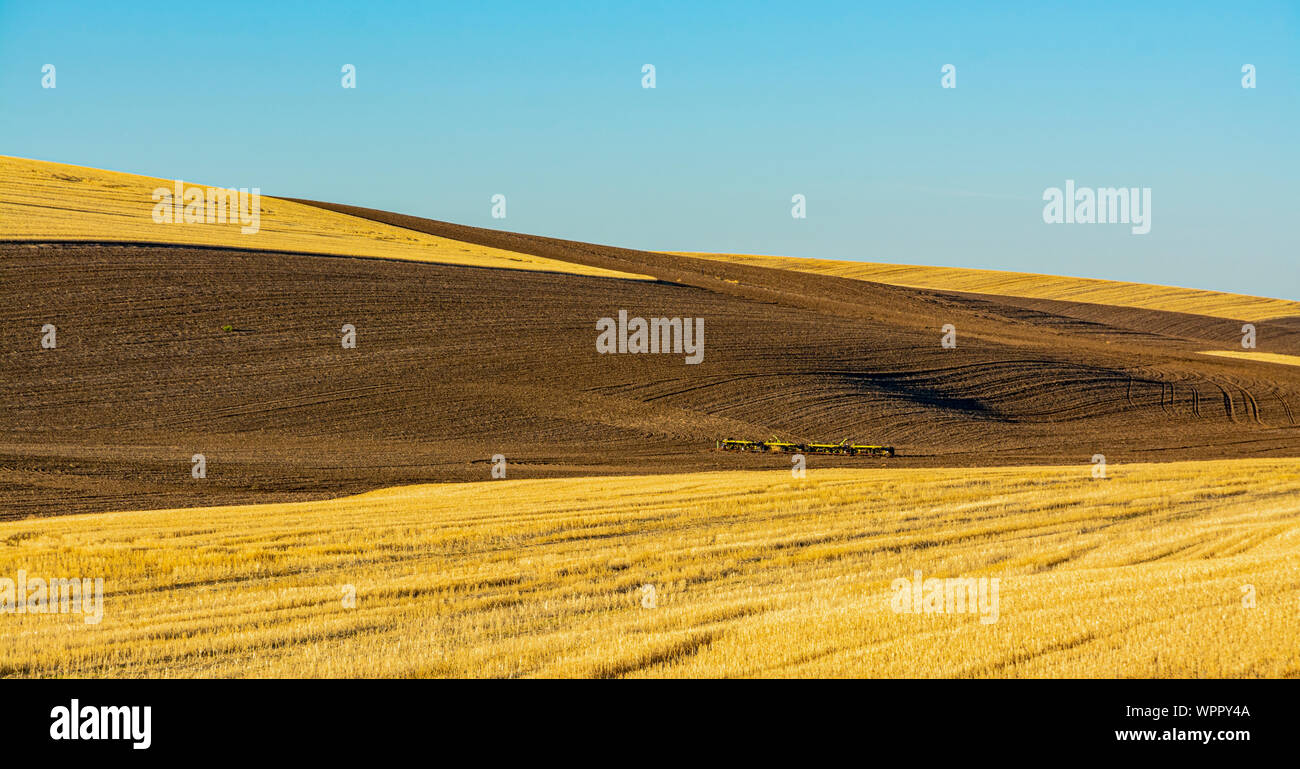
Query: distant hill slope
{"points": [[1034, 286], [41, 201]]}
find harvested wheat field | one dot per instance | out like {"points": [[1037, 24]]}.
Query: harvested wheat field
{"points": [[50, 202], [1143, 573], [1262, 357], [1034, 286]]}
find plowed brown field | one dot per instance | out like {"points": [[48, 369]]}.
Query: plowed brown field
{"points": [[457, 363]]}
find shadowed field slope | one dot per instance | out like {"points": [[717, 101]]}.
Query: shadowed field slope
{"points": [[754, 574], [42, 201], [1034, 286]]}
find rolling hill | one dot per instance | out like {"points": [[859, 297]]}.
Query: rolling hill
{"points": [[1026, 285], [52, 202], [209, 346]]}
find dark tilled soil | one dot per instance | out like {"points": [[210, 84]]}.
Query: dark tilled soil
{"points": [[456, 364]]}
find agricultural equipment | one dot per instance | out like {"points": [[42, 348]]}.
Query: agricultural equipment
{"points": [[843, 448]]}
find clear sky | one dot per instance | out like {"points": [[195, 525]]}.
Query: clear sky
{"points": [[754, 102]]}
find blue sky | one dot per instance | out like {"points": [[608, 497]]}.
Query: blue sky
{"points": [[755, 102]]}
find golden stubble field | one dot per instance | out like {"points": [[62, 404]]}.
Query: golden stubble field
{"points": [[1032, 285], [42, 201], [1144, 573]]}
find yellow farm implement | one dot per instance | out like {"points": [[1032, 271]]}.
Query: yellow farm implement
{"points": [[843, 448]]}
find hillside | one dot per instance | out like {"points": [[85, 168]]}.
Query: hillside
{"points": [[1035, 286], [170, 350], [49, 202]]}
